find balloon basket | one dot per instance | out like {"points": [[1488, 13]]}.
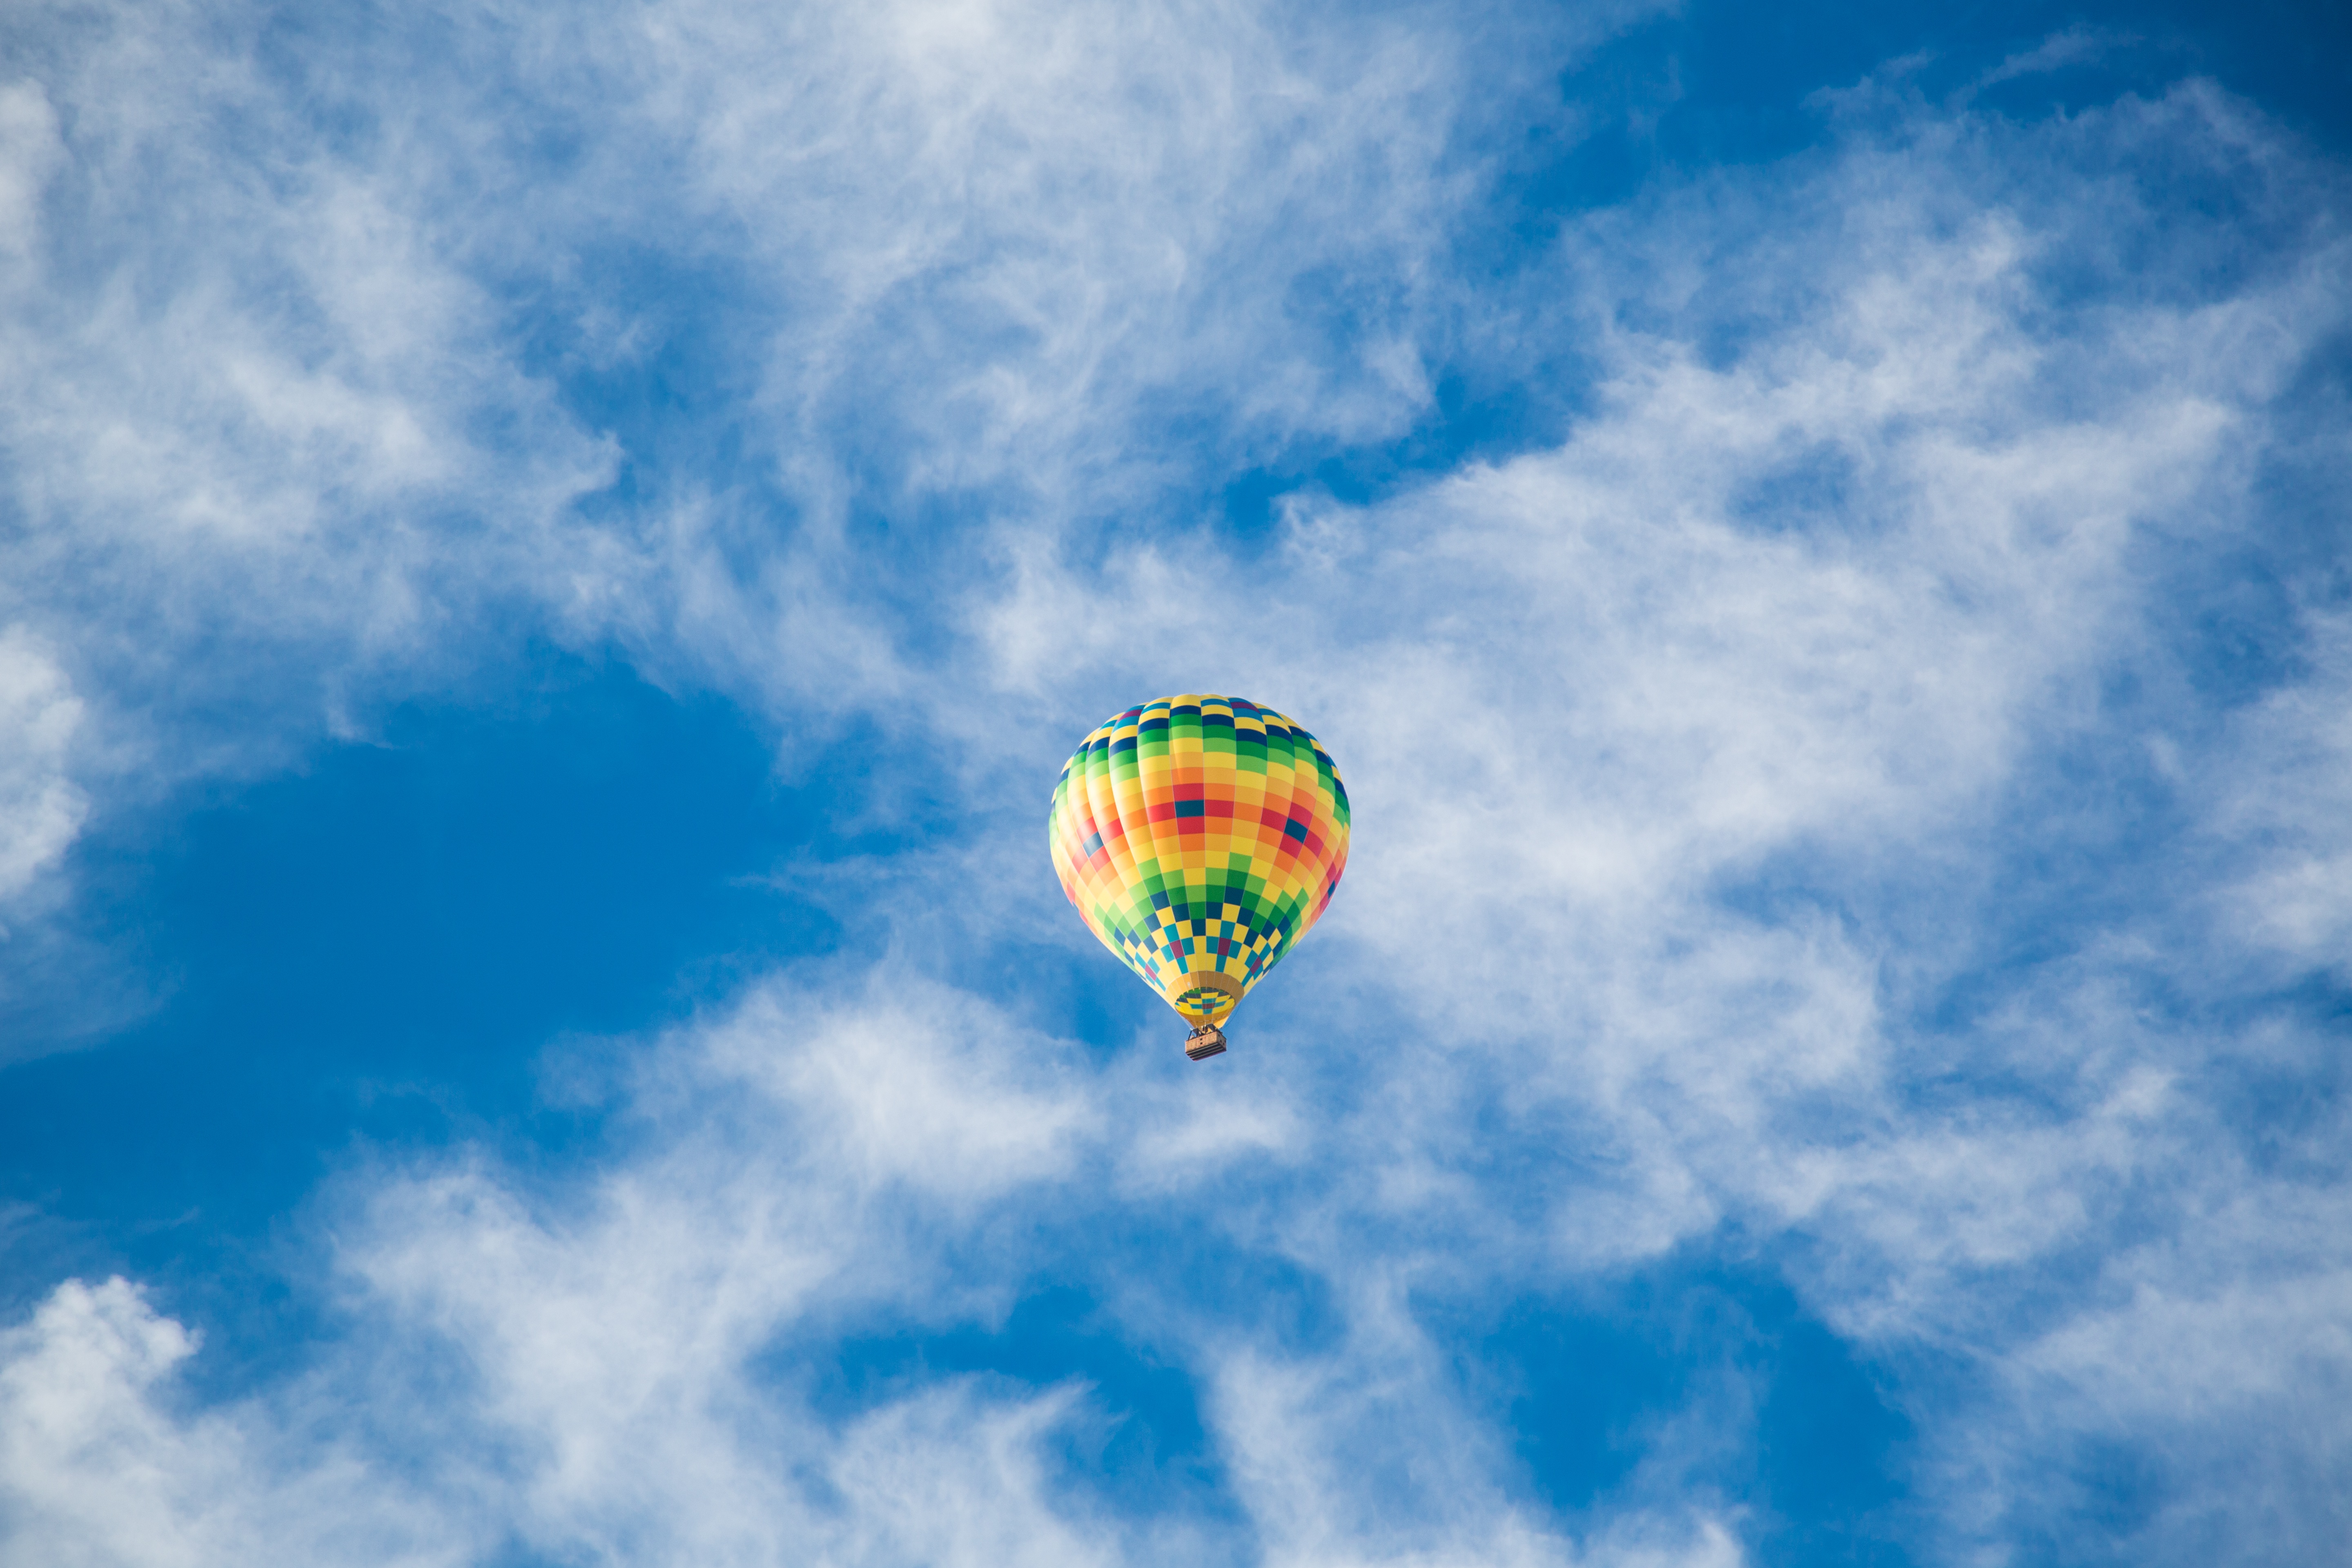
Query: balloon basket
{"points": [[1204, 1042]]}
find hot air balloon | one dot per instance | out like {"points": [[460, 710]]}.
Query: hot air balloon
{"points": [[1200, 838]]}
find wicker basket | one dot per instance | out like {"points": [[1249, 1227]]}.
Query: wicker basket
{"points": [[1204, 1042]]}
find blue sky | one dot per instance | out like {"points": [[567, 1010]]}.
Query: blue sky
{"points": [[548, 559]]}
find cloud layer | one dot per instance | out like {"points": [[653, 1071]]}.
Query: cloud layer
{"points": [[1823, 814]]}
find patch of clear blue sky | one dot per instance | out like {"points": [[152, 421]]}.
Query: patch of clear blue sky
{"points": [[371, 952], [1804, 1434]]}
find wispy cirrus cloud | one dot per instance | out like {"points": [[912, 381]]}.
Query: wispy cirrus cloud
{"points": [[40, 808]]}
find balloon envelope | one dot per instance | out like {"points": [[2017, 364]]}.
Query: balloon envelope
{"points": [[1200, 838]]}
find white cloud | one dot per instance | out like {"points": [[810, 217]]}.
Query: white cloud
{"points": [[29, 154], [2284, 783], [102, 1467], [947, 1477], [41, 809], [74, 1384]]}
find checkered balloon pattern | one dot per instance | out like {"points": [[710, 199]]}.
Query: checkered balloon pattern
{"points": [[1201, 837]]}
